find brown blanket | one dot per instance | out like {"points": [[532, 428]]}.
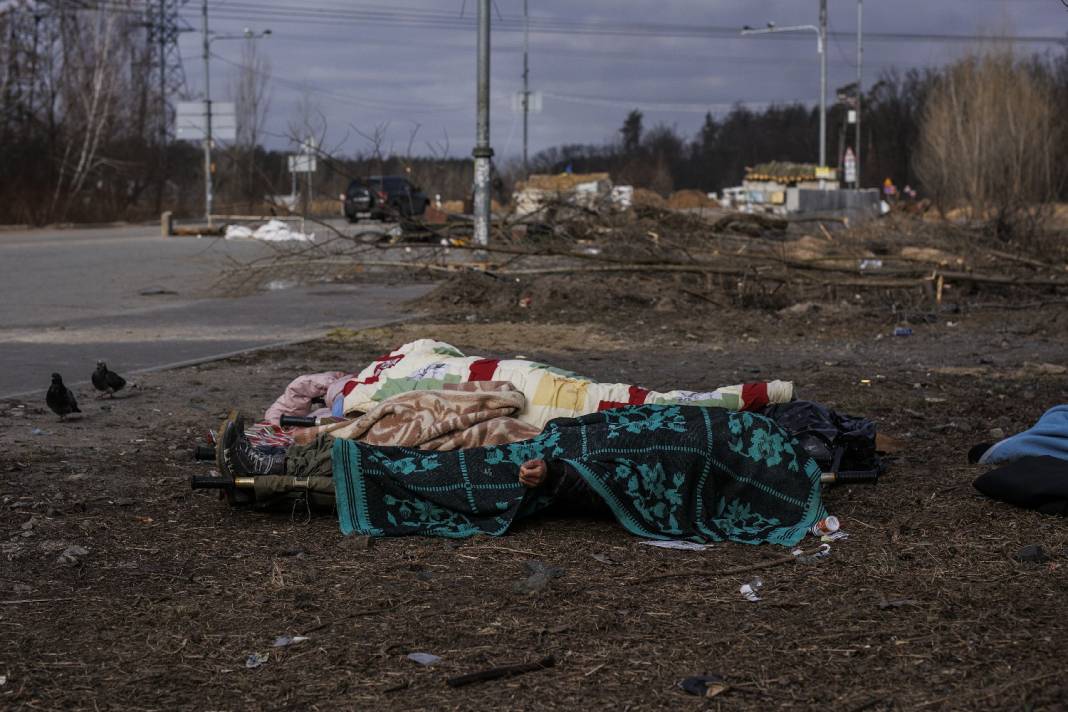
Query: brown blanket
{"points": [[467, 415]]}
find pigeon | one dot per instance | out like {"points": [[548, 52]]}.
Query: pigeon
{"points": [[60, 398], [107, 381]]}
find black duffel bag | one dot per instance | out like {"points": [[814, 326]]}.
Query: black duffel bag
{"points": [[841, 444]]}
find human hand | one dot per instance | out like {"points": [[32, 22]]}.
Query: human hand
{"points": [[532, 473]]}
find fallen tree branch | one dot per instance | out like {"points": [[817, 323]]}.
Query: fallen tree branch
{"points": [[786, 559]]}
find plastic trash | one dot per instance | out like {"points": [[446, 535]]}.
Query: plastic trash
{"points": [[867, 265], [423, 658], [822, 553], [1032, 554], [749, 590], [38, 431], [284, 641], [828, 525], [255, 660], [704, 685], [677, 545], [902, 331], [72, 555]]}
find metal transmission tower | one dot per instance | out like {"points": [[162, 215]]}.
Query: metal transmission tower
{"points": [[165, 24]]}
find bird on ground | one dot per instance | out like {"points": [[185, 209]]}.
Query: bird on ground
{"points": [[107, 381], [60, 398]]}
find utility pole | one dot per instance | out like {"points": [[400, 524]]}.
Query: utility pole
{"points": [[207, 116], [162, 30], [823, 82], [482, 152], [526, 84], [860, 83]]}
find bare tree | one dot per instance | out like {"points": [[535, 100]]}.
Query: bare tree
{"points": [[90, 86], [988, 143], [252, 97]]}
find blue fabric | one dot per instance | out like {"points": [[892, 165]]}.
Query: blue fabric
{"points": [[1048, 438], [666, 472]]}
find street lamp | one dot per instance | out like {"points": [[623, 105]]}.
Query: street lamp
{"points": [[821, 48], [248, 34]]}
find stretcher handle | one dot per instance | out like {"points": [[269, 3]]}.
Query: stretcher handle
{"points": [[210, 482], [851, 477], [296, 421]]}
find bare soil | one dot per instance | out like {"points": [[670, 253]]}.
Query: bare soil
{"points": [[923, 607]]}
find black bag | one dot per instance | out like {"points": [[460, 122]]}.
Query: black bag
{"points": [[839, 443]]}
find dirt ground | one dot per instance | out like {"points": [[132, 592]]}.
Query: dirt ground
{"points": [[923, 607]]}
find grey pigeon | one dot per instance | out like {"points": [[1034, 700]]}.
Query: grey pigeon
{"points": [[107, 381], [60, 398]]}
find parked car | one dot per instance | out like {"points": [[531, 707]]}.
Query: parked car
{"points": [[381, 197]]}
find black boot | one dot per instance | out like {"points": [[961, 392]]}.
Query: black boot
{"points": [[240, 458]]}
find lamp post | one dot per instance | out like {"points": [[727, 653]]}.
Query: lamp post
{"points": [[482, 152], [821, 48], [860, 83], [248, 34]]}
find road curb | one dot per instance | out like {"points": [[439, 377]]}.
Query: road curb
{"points": [[210, 359]]}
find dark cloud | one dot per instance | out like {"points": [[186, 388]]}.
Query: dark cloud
{"points": [[413, 72]]}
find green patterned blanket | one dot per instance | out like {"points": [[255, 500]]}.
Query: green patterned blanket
{"points": [[666, 471]]}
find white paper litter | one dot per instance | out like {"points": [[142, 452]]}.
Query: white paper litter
{"points": [[254, 660], [749, 590], [677, 545], [284, 641], [823, 552], [423, 658], [272, 231]]}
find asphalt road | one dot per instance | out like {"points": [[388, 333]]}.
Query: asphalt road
{"points": [[141, 301]]}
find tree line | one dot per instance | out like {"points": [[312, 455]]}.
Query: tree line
{"points": [[894, 111], [84, 131]]}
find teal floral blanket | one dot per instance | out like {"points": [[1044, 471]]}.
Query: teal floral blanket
{"points": [[666, 472]]}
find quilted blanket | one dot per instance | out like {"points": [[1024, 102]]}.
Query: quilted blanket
{"points": [[550, 392], [678, 472], [470, 415]]}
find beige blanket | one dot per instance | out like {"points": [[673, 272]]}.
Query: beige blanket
{"points": [[464, 415]]}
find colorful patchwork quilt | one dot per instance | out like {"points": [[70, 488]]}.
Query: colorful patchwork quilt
{"points": [[550, 392]]}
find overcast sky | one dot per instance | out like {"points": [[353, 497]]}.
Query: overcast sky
{"points": [[412, 62]]}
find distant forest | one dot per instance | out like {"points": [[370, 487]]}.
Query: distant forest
{"points": [[81, 126]]}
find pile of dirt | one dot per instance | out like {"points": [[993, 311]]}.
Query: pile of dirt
{"points": [[599, 298], [689, 199], [644, 198]]}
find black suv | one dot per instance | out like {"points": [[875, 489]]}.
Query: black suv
{"points": [[379, 197]]}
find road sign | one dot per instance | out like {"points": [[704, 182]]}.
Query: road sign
{"points": [[301, 163], [534, 102], [850, 166], [191, 121]]}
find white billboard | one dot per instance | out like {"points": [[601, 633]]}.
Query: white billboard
{"points": [[191, 121]]}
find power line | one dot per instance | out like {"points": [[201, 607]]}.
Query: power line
{"points": [[363, 101], [367, 14]]}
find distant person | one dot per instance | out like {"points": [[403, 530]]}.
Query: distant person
{"points": [[889, 189]]}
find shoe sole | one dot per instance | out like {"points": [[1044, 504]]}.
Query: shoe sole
{"points": [[220, 436]]}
